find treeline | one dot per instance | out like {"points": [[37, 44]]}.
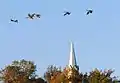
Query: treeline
{"points": [[23, 71]]}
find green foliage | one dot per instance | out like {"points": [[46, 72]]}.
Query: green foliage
{"points": [[36, 80], [51, 73], [24, 72], [27, 67], [97, 76], [64, 77], [18, 72]]}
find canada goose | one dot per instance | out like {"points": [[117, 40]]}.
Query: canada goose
{"points": [[31, 16], [14, 20], [89, 11], [37, 15], [67, 13]]}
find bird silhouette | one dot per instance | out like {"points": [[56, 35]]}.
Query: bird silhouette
{"points": [[14, 20], [67, 13], [37, 15], [89, 11], [31, 16]]}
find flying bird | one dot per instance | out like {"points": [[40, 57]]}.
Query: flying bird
{"points": [[67, 13], [14, 20], [89, 11], [37, 15], [31, 16]]}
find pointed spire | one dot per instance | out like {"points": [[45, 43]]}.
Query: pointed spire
{"points": [[72, 60]]}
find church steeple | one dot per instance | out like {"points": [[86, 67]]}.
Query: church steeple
{"points": [[72, 60]]}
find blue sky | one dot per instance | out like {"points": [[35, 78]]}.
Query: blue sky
{"points": [[46, 41]]}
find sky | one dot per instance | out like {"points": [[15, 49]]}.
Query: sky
{"points": [[46, 41]]}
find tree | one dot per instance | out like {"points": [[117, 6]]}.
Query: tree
{"points": [[36, 80], [18, 72], [51, 73], [65, 77], [97, 76], [27, 67], [71, 73]]}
